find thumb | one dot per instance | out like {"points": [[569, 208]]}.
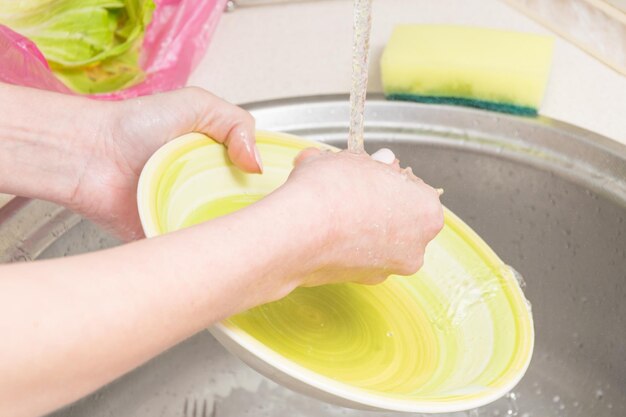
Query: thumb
{"points": [[227, 124]]}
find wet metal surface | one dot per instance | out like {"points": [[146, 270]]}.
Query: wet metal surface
{"points": [[549, 198]]}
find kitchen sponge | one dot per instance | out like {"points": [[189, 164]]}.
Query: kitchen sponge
{"points": [[484, 68]]}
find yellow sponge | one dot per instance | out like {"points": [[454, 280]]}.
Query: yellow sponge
{"points": [[485, 68]]}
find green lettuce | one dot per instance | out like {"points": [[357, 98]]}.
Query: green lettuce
{"points": [[91, 45]]}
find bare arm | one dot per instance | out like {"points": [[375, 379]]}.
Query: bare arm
{"points": [[68, 326], [71, 325], [87, 155]]}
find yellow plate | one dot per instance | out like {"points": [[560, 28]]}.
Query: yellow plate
{"points": [[455, 336]]}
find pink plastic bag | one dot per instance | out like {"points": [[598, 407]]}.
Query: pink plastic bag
{"points": [[173, 44]]}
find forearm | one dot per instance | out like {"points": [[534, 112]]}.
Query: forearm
{"points": [[71, 325], [42, 139]]}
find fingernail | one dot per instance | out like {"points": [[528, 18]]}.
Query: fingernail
{"points": [[384, 155], [257, 157]]}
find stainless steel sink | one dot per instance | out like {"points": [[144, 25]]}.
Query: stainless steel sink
{"points": [[548, 197]]}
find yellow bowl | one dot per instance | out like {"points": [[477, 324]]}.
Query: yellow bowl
{"points": [[455, 336]]}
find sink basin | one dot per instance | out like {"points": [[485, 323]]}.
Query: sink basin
{"points": [[549, 198]]}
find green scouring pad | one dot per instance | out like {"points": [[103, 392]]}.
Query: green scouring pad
{"points": [[485, 68]]}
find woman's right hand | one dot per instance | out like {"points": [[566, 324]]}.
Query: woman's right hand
{"points": [[376, 218]]}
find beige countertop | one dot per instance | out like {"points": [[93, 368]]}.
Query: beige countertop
{"points": [[298, 49]]}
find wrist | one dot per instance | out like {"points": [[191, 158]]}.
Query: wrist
{"points": [[308, 222], [281, 237], [44, 141]]}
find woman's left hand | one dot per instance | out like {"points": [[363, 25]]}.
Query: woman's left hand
{"points": [[131, 131]]}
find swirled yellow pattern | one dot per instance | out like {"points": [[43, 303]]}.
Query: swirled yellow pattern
{"points": [[457, 332]]}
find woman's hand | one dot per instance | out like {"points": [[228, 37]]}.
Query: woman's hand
{"points": [[131, 131], [350, 218], [379, 217], [87, 154]]}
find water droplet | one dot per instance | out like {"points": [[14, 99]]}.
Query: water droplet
{"points": [[529, 305], [518, 277], [562, 406], [513, 409], [556, 399], [575, 404], [389, 334], [599, 394]]}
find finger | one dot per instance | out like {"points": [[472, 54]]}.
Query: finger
{"points": [[384, 155], [227, 124], [306, 154], [242, 149]]}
